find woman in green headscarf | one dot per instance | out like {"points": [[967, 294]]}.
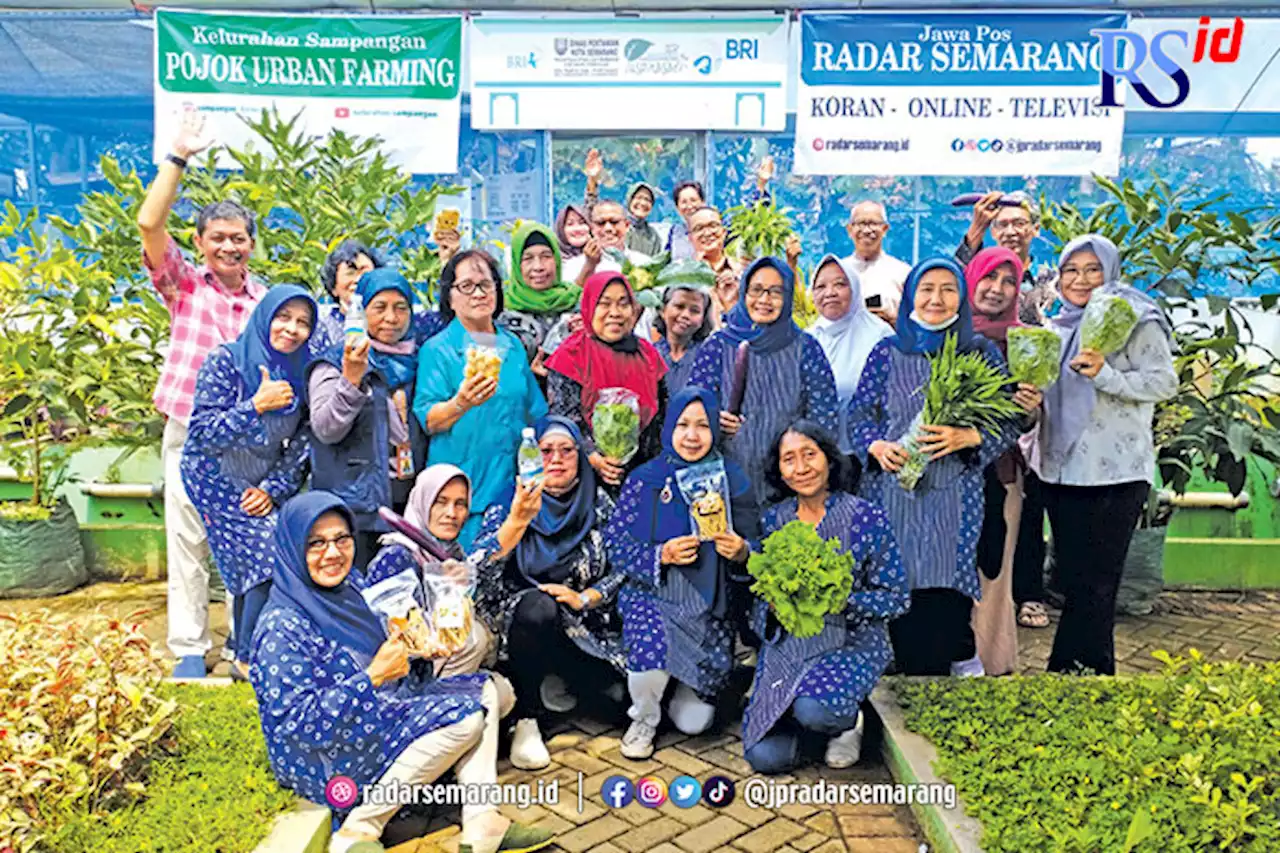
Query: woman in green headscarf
{"points": [[537, 300]]}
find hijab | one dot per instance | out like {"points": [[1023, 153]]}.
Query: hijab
{"points": [[663, 513], [398, 362], [340, 612], [431, 481], [519, 295], [989, 259], [549, 545], [631, 363], [771, 337], [1069, 401], [562, 221], [912, 335], [252, 350], [848, 340], [642, 237]]}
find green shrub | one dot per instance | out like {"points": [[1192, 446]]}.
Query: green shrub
{"points": [[1182, 762]]}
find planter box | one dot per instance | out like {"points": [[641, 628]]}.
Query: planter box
{"points": [[123, 531]]}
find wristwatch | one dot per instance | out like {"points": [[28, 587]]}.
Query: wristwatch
{"points": [[176, 160], [584, 599]]}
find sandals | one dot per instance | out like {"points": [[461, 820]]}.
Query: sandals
{"points": [[1033, 615]]}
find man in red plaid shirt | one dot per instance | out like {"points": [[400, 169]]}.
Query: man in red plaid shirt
{"points": [[209, 305]]}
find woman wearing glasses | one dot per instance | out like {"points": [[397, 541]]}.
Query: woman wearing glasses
{"points": [[1093, 450], [788, 377], [475, 421]]}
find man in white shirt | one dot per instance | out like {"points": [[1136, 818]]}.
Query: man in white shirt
{"points": [[609, 225], [880, 274]]}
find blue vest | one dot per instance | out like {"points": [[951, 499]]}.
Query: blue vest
{"points": [[357, 468]]}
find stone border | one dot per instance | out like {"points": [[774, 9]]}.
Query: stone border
{"points": [[910, 758]]}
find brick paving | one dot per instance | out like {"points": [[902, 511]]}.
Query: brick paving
{"points": [[1221, 625]]}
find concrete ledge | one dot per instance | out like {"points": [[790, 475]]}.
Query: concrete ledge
{"points": [[910, 758], [144, 491], [305, 829]]}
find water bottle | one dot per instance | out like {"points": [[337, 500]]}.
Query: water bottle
{"points": [[355, 321], [529, 459]]}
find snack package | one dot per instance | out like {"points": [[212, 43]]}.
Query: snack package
{"points": [[484, 355], [705, 487], [1107, 323], [399, 601], [615, 424], [447, 220], [451, 613]]}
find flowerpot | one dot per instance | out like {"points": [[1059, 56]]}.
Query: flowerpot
{"points": [[41, 558], [1143, 577]]}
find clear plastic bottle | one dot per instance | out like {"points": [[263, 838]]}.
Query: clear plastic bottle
{"points": [[529, 459], [355, 324]]}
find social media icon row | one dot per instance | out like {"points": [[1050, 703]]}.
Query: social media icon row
{"points": [[651, 792]]}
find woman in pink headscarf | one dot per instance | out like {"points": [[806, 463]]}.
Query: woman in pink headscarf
{"points": [[993, 277]]}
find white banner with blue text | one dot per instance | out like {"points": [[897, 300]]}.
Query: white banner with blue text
{"points": [[937, 93]]}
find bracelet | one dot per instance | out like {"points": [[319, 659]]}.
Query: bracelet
{"points": [[176, 160], [458, 406]]}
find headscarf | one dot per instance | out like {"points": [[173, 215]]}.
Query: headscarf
{"points": [[981, 266], [519, 295], [774, 336], [431, 481], [566, 249], [630, 363], [340, 612], [848, 341], [398, 362], [663, 512], [642, 237], [912, 336], [1069, 401], [252, 350], [545, 552]]}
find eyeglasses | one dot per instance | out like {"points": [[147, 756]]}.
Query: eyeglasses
{"points": [[1073, 273], [706, 228], [866, 224], [775, 294], [1011, 225], [472, 288], [558, 452], [317, 547]]}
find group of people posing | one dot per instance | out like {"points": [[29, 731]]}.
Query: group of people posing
{"points": [[287, 434]]}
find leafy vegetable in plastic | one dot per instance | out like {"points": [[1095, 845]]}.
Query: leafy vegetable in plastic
{"points": [[803, 576], [1034, 355], [1107, 323], [616, 429]]}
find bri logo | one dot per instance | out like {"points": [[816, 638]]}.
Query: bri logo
{"points": [[1222, 45]]}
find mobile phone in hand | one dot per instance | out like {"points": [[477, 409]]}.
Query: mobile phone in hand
{"points": [[874, 301]]}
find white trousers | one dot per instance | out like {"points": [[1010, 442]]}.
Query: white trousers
{"points": [[689, 713], [187, 554]]}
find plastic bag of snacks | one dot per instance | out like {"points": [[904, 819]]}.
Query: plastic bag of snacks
{"points": [[451, 612], [484, 355], [705, 488], [615, 424]]}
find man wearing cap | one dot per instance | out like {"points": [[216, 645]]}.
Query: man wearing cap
{"points": [[1014, 226]]}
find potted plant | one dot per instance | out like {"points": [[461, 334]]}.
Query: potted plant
{"points": [[761, 230]]}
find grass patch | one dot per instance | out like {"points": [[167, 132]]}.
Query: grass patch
{"points": [[216, 792], [1181, 762]]}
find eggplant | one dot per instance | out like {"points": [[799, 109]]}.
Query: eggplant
{"points": [[419, 537], [970, 199], [738, 389]]}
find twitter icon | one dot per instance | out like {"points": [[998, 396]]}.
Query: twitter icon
{"points": [[685, 792]]}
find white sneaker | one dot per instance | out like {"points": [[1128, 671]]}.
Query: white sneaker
{"points": [[556, 696], [528, 752], [637, 743], [845, 749]]}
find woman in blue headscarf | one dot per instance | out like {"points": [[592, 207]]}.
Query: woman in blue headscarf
{"points": [[676, 604], [339, 696], [246, 448], [367, 446], [788, 377], [1094, 452], [545, 587], [937, 524]]}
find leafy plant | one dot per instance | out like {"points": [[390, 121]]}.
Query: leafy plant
{"points": [[1182, 762], [758, 230], [1170, 240], [1034, 355], [802, 576], [616, 429], [80, 719]]}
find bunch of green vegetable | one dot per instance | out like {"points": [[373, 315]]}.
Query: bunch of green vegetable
{"points": [[964, 390], [802, 576], [1034, 355], [1107, 323], [759, 230], [641, 276], [616, 430]]}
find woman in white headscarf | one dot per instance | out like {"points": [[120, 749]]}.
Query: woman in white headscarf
{"points": [[846, 330]]}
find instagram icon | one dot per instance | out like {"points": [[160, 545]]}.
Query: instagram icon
{"points": [[651, 791]]}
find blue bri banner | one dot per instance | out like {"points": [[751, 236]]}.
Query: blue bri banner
{"points": [[938, 93]]}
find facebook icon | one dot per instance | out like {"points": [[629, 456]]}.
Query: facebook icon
{"points": [[617, 791]]}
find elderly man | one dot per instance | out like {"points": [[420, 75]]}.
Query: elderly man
{"points": [[1014, 222], [209, 305], [609, 225], [880, 274]]}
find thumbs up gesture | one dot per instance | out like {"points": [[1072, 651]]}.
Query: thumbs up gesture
{"points": [[272, 394]]}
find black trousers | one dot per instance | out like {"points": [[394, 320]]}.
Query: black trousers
{"points": [[1029, 553], [933, 633], [990, 552], [537, 646], [1092, 526]]}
